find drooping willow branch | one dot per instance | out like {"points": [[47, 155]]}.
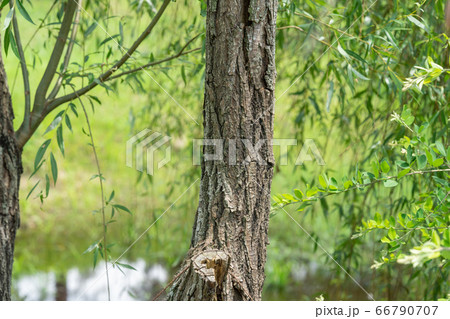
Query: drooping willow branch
{"points": [[100, 178], [52, 104], [42, 106]]}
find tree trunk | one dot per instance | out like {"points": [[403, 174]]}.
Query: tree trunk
{"points": [[228, 247], [61, 287], [10, 171]]}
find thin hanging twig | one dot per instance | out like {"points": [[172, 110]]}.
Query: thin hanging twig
{"points": [[100, 177]]}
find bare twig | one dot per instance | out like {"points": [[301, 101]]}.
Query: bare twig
{"points": [[180, 53], [23, 64], [73, 36], [100, 178]]}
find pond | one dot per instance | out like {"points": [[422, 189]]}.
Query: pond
{"points": [[144, 283]]}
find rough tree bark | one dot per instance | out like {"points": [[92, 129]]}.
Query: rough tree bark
{"points": [[10, 172], [228, 248]]}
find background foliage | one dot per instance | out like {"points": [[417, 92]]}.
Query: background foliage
{"points": [[367, 80]]}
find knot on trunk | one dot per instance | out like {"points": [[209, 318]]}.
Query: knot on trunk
{"points": [[212, 266]]}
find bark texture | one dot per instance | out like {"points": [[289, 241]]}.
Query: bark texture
{"points": [[10, 171], [233, 213]]}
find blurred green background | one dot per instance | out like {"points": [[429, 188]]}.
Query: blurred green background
{"points": [[55, 233]]}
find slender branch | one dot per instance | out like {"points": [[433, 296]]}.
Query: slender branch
{"points": [[376, 181], [23, 64], [100, 178], [41, 91], [145, 66], [73, 36], [103, 77]]}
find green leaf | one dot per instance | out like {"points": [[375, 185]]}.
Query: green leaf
{"points": [[23, 12], [54, 123], [430, 156], [4, 3], [34, 187], [343, 52], [403, 173], [348, 184], [440, 147], [183, 75], [446, 255], [60, 139], [322, 182], [289, 197], [6, 42], [329, 96], [438, 162], [96, 256], [378, 218], [375, 169], [10, 40], [111, 196], [422, 161], [54, 167], [418, 23], [359, 75], [40, 153], [90, 248], [298, 193], [90, 29], [47, 185], [126, 266], [356, 56], [311, 192], [69, 125], [435, 238], [407, 117], [8, 19], [121, 207], [390, 183], [392, 233], [385, 168]]}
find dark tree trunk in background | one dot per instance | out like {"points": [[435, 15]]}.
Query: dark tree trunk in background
{"points": [[10, 171], [228, 249], [61, 288]]}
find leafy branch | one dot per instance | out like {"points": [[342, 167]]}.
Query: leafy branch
{"points": [[100, 178]]}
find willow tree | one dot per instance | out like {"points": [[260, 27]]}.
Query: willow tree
{"points": [[228, 247], [48, 96]]}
